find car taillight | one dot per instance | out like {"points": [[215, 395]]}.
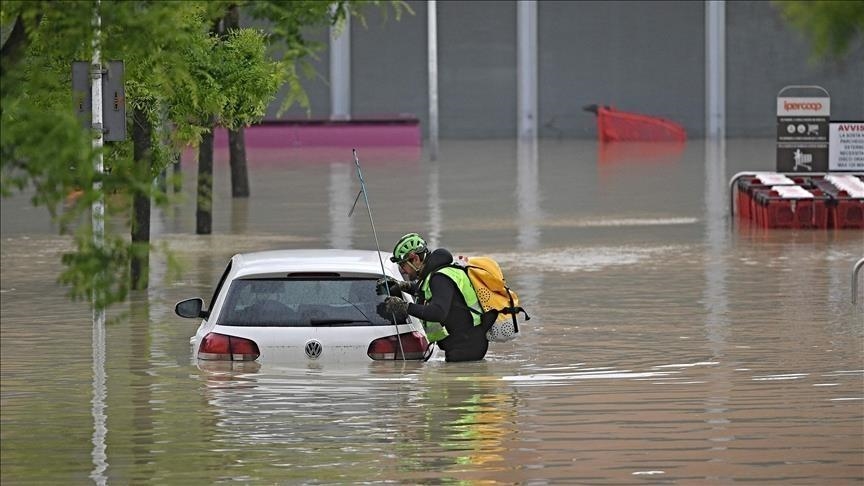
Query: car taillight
{"points": [[227, 348], [414, 346]]}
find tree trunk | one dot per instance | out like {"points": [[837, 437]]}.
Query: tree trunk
{"points": [[236, 139], [239, 173], [177, 178], [142, 155], [204, 213]]}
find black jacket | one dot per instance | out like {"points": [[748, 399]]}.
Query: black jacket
{"points": [[446, 305]]}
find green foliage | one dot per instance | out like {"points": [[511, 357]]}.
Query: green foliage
{"points": [[178, 73], [832, 25], [100, 272], [239, 80]]}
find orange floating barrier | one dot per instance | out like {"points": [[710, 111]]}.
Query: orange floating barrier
{"points": [[622, 126]]}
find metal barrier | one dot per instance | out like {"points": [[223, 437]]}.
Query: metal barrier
{"points": [[855, 269]]}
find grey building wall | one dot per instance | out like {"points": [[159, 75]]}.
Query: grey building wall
{"points": [[646, 57], [764, 54], [388, 64], [642, 56]]}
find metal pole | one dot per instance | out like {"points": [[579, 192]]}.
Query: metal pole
{"points": [[99, 456], [432, 45], [855, 269], [98, 206], [340, 71], [526, 67], [715, 69]]}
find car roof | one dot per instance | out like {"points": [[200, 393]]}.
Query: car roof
{"points": [[312, 260]]}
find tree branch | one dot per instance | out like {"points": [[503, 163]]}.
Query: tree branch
{"points": [[15, 45]]}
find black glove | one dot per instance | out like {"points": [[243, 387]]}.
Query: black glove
{"points": [[393, 306], [396, 287]]}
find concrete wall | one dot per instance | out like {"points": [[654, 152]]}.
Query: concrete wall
{"points": [[764, 54], [647, 57], [641, 56]]}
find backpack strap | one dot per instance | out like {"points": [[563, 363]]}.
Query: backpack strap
{"points": [[513, 310]]}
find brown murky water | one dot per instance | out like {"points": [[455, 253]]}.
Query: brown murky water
{"points": [[666, 344]]}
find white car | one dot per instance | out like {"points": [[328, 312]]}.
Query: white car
{"points": [[303, 306]]}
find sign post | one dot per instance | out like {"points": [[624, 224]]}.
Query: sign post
{"points": [[113, 113], [802, 129]]}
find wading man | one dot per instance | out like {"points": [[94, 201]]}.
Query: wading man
{"points": [[444, 294]]}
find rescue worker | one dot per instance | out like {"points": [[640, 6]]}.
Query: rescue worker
{"points": [[444, 295]]}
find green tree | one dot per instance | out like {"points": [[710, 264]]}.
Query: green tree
{"points": [[832, 25], [174, 67], [288, 44], [287, 21], [178, 75]]}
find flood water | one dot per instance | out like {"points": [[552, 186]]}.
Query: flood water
{"points": [[667, 344]]}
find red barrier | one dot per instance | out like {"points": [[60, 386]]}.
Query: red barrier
{"points": [[775, 211], [846, 212], [621, 126]]}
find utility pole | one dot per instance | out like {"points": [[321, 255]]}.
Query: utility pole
{"points": [[526, 66], [340, 70], [715, 69], [432, 58]]}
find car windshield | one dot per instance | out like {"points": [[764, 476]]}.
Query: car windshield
{"points": [[293, 302]]}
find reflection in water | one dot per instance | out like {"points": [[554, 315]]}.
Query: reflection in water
{"points": [[528, 194], [340, 199], [664, 153], [529, 216], [667, 344], [239, 215], [100, 395], [141, 384], [716, 242], [384, 419], [715, 295], [469, 415], [434, 206]]}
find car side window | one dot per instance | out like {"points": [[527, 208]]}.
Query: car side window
{"points": [[220, 284]]}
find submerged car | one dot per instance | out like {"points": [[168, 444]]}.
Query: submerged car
{"points": [[303, 305]]}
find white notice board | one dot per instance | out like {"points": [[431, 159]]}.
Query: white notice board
{"points": [[846, 146]]}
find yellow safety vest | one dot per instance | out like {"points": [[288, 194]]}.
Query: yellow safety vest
{"points": [[435, 331]]}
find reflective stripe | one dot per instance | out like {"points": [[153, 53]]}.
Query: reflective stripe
{"points": [[434, 330]]}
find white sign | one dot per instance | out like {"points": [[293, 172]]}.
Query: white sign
{"points": [[803, 106], [846, 146]]}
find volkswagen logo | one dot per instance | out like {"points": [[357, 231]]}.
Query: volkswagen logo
{"points": [[313, 349]]}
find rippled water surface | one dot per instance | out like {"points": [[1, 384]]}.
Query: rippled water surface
{"points": [[667, 343]]}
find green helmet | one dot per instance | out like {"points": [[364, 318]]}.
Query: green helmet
{"points": [[410, 243]]}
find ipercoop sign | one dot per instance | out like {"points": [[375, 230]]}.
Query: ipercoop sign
{"points": [[803, 106], [802, 133]]}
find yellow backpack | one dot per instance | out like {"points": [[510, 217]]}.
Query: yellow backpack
{"points": [[497, 300]]}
